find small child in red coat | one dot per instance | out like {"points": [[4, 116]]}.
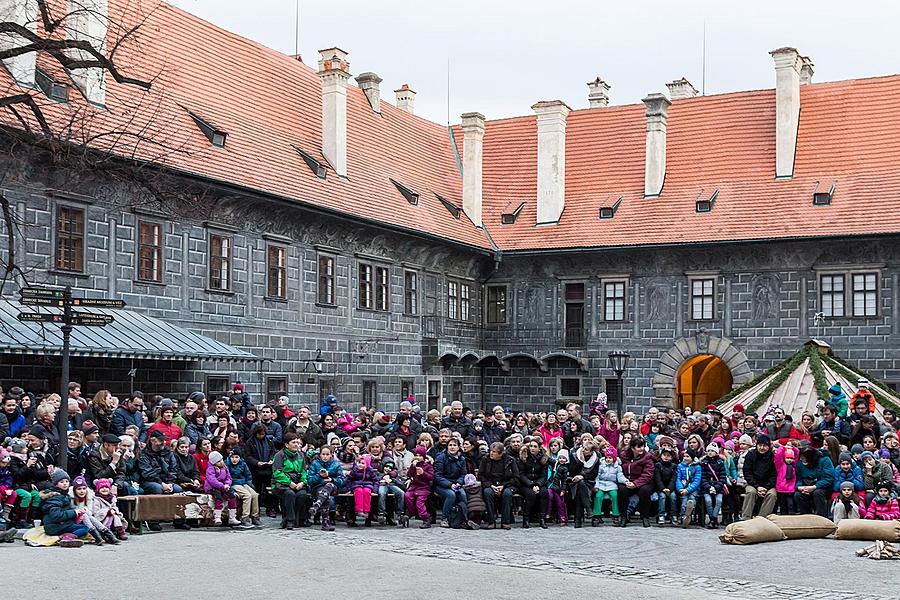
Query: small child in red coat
{"points": [[421, 476], [883, 507]]}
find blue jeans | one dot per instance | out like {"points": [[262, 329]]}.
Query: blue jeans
{"points": [[76, 529], [661, 499], [383, 491], [451, 497], [692, 497], [713, 505], [150, 487]]}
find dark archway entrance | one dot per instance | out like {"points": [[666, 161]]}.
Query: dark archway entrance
{"points": [[702, 380]]}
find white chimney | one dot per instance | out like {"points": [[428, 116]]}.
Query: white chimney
{"points": [[551, 160], [88, 20], [406, 99], [334, 71], [655, 157], [598, 93], [787, 109], [24, 13], [681, 89], [473, 143], [806, 70], [368, 83]]}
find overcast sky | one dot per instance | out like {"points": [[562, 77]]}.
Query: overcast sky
{"points": [[506, 55]]}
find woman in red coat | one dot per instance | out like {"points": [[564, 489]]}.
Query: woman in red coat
{"points": [[637, 466]]}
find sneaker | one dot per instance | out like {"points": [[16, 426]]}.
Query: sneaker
{"points": [[255, 522], [445, 524], [661, 520], [8, 536], [245, 523], [381, 520], [472, 525]]}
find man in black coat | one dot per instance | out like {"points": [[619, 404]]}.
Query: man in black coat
{"points": [[499, 475], [759, 473], [456, 421]]}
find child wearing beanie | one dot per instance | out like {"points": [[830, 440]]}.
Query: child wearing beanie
{"points": [[557, 484], [713, 481], [609, 476], [421, 475], [847, 504], [60, 517], [884, 506], [106, 510], [475, 506], [218, 484], [83, 501], [362, 480]]}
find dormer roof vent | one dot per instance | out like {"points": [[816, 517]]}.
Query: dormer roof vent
{"points": [[411, 196], [608, 212], [53, 90], [450, 206], [508, 217], [706, 205], [314, 165], [213, 134], [823, 198]]}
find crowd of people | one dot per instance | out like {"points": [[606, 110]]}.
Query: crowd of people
{"points": [[459, 467]]}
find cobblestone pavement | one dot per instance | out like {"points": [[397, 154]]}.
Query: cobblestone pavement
{"points": [[632, 562]]}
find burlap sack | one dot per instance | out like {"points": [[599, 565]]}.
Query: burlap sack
{"points": [[800, 527], [754, 531], [864, 529]]}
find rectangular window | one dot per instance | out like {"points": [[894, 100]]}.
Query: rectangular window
{"points": [[574, 334], [326, 388], [496, 304], [702, 299], [276, 386], [149, 251], [569, 387], [365, 286], [831, 290], [457, 391], [382, 288], [217, 386], [410, 293], [865, 294], [370, 394], [69, 239], [614, 394], [326, 279], [406, 389], [452, 300], [219, 262], [465, 302], [277, 272], [614, 301]]}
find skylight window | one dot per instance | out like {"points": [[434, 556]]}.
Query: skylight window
{"points": [[411, 196], [314, 165], [508, 217], [454, 209], [608, 212], [706, 205], [214, 135], [823, 198]]}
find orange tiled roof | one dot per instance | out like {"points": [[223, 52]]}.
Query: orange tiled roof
{"points": [[267, 101]]}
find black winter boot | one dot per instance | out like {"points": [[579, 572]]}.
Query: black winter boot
{"points": [[96, 535]]}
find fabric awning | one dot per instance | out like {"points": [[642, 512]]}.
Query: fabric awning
{"points": [[130, 335]]}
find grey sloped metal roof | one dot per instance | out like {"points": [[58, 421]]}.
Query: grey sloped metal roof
{"points": [[130, 335]]}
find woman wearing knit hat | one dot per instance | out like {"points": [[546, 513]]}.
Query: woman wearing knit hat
{"points": [[847, 504]]}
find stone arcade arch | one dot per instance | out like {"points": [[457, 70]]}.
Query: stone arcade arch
{"points": [[670, 363]]}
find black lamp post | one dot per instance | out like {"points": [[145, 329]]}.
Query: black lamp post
{"points": [[618, 362]]}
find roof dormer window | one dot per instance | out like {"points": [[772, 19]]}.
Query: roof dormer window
{"points": [[706, 205], [608, 212], [213, 134], [508, 217], [823, 198], [454, 209], [411, 196], [53, 90], [314, 165]]}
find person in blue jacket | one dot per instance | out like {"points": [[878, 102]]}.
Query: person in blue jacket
{"points": [[59, 514], [815, 482], [847, 470], [130, 413], [687, 484], [449, 472], [325, 479]]}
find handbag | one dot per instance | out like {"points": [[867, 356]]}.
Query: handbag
{"points": [[716, 477]]}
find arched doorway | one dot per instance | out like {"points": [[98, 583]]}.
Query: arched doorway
{"points": [[702, 380]]}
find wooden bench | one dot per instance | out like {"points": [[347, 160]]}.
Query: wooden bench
{"points": [[153, 507]]}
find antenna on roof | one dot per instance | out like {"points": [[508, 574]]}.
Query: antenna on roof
{"points": [[703, 61], [297, 30], [448, 91]]}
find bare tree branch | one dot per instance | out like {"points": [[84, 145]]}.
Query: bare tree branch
{"points": [[28, 101]]}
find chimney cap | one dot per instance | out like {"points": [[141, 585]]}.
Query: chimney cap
{"points": [[598, 83], [656, 104], [404, 88], [679, 89], [368, 77], [786, 57], [549, 105], [473, 121], [333, 59]]}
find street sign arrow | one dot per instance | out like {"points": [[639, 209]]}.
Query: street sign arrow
{"points": [[41, 301], [31, 292], [91, 319], [40, 317], [98, 302]]}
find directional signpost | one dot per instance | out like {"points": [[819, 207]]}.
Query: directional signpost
{"points": [[34, 296]]}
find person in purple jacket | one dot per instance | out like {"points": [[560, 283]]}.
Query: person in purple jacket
{"points": [[218, 485]]}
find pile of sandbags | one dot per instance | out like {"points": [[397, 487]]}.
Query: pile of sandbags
{"points": [[775, 528], [754, 531], [803, 527], [865, 529]]}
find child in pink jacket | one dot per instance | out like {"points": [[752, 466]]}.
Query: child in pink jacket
{"points": [[883, 507], [218, 485], [785, 477]]}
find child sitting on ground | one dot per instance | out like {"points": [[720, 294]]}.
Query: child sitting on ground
{"points": [[362, 480], [785, 477], [475, 505], [847, 504], [242, 484], [557, 484], [421, 476], [60, 517], [106, 510], [218, 484], [609, 476], [883, 507], [687, 484], [83, 501]]}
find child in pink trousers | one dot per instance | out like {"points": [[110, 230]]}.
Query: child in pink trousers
{"points": [[362, 481], [421, 475]]}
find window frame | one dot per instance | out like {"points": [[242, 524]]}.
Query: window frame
{"points": [[156, 250], [211, 394], [369, 393], [457, 392], [281, 293], [272, 397], [216, 261], [410, 292], [407, 388], [452, 299], [459, 300], [496, 306], [864, 292], [365, 285], [325, 282], [59, 236], [832, 277], [559, 387], [692, 280], [382, 288], [606, 299]]}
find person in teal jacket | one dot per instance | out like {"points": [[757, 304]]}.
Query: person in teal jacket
{"points": [[687, 484], [838, 399], [847, 470], [815, 482], [325, 478]]}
